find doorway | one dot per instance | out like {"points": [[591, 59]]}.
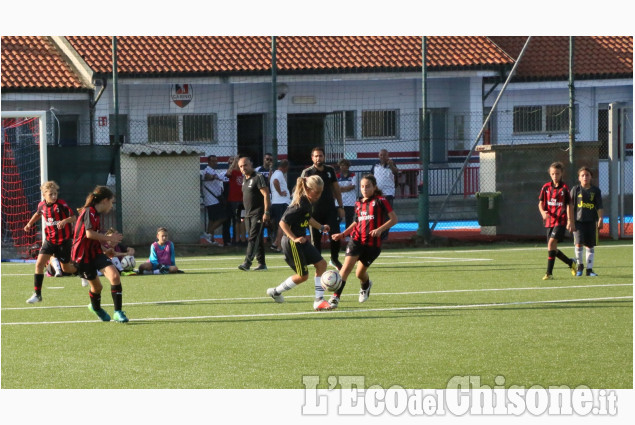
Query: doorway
{"points": [[304, 132], [250, 134]]}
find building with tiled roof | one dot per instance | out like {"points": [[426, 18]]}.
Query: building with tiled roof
{"points": [[351, 95]]}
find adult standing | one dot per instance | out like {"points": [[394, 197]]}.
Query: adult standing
{"points": [[348, 186], [266, 169], [212, 189], [280, 200], [235, 199], [325, 211], [385, 172], [257, 212]]}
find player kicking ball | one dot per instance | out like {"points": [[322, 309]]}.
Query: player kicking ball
{"points": [[373, 216], [296, 246]]}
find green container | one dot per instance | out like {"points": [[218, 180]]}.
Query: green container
{"points": [[488, 207]]}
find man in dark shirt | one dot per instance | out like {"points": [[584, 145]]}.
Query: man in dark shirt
{"points": [[257, 211], [325, 211]]}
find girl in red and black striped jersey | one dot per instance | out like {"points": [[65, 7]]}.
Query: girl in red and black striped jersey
{"points": [[58, 219], [556, 210], [88, 256], [373, 216]]}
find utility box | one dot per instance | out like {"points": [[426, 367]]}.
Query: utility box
{"points": [[488, 207]]}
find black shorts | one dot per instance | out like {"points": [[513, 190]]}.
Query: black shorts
{"points": [[215, 212], [556, 232], [585, 233], [62, 251], [299, 255], [89, 270], [367, 254], [276, 212]]}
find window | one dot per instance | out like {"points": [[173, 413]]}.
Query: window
{"points": [[198, 128], [542, 119], [379, 124], [527, 119], [349, 124], [181, 128]]}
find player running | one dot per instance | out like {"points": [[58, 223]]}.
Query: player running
{"points": [[58, 220], [88, 256], [373, 216], [296, 246]]}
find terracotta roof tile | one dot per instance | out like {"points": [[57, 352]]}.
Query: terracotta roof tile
{"points": [[294, 54], [548, 57], [33, 62]]}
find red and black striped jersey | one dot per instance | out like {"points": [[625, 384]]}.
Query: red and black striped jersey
{"points": [[85, 250], [370, 214], [53, 214], [555, 200]]}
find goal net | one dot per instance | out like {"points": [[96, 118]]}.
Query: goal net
{"points": [[23, 152]]}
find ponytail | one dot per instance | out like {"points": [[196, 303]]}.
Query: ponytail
{"points": [[303, 184], [98, 194]]}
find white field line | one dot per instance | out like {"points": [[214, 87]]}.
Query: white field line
{"points": [[389, 254], [447, 291], [370, 310], [432, 260]]}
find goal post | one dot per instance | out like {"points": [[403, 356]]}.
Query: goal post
{"points": [[24, 169]]}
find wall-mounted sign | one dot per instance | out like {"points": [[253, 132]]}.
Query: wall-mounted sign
{"points": [[181, 94]]}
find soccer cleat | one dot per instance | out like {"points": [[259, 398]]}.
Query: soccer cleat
{"points": [[35, 298], [101, 313], [321, 305], [364, 294], [244, 267], [574, 266], [130, 273], [120, 316], [85, 282], [334, 301], [590, 273], [578, 273], [277, 298], [547, 277], [164, 269], [336, 263], [260, 268]]}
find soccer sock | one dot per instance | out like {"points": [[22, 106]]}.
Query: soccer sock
{"points": [[285, 286], [95, 300], [590, 254], [551, 259], [56, 265], [38, 279], [157, 271], [578, 257], [117, 296], [560, 255], [365, 285], [319, 291], [339, 291]]}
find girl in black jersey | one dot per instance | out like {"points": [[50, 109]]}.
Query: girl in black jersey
{"points": [[373, 216], [296, 245]]}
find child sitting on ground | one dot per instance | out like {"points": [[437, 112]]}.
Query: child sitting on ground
{"points": [[115, 253], [161, 259]]}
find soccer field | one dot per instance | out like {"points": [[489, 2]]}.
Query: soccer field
{"points": [[433, 314]]}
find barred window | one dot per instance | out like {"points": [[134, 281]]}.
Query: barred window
{"points": [[181, 128], [379, 124], [557, 117], [349, 124], [527, 119], [198, 128], [163, 128]]}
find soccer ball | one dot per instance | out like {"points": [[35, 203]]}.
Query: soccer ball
{"points": [[331, 280], [128, 263]]}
